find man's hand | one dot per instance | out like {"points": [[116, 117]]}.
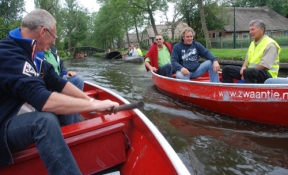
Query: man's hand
{"points": [[184, 71], [153, 69], [216, 66], [70, 73], [241, 73]]}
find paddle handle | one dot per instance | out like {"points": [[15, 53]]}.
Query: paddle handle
{"points": [[128, 106]]}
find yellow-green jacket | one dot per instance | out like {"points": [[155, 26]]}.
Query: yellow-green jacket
{"points": [[255, 55]]}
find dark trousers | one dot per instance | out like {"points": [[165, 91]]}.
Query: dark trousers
{"points": [[251, 75], [165, 70]]}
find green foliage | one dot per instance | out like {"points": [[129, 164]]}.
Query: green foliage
{"points": [[63, 54], [202, 41], [11, 10], [10, 15], [7, 25], [279, 6]]}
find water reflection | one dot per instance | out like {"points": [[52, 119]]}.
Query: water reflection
{"points": [[208, 143]]}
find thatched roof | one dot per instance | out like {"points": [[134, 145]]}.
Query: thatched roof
{"points": [[163, 28], [273, 20], [132, 37]]}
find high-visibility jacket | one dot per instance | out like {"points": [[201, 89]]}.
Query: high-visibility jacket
{"points": [[255, 55]]}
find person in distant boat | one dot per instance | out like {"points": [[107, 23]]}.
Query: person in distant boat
{"points": [[185, 58], [262, 58], [50, 55], [33, 96], [133, 51], [158, 58], [139, 51], [108, 50]]}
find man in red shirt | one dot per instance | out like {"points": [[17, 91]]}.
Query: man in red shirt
{"points": [[158, 58]]}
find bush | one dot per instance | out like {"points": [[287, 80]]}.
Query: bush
{"points": [[202, 41], [62, 54]]}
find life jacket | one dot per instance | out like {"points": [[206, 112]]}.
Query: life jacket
{"points": [[255, 55]]}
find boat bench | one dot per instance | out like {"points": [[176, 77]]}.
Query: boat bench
{"points": [[93, 151]]}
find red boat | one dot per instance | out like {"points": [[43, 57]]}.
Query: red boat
{"points": [[262, 103], [122, 143]]}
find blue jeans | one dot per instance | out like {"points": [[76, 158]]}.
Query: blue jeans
{"points": [[42, 129], [202, 69], [165, 70], [76, 80], [276, 81], [72, 118]]}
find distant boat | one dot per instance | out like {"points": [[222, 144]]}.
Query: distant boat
{"points": [[263, 103], [126, 142], [81, 55], [113, 55]]}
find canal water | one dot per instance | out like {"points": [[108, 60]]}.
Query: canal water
{"points": [[207, 143]]}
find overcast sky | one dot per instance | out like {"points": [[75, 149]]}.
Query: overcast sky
{"points": [[91, 5]]}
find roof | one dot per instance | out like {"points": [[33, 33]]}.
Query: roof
{"points": [[273, 20], [162, 28], [132, 37]]}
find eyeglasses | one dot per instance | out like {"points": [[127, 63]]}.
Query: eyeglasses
{"points": [[53, 36], [158, 39]]}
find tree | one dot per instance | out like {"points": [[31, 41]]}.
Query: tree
{"points": [[150, 7], [176, 19], [203, 22], [74, 19], [10, 15], [279, 6], [11, 10]]}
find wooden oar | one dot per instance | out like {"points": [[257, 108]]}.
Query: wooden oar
{"points": [[128, 106]]}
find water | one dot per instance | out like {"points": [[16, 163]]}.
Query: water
{"points": [[207, 143]]}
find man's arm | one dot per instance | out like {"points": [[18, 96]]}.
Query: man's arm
{"points": [[175, 59], [206, 54], [72, 100], [148, 65], [269, 57]]}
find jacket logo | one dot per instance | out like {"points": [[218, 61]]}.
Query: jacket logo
{"points": [[29, 70]]}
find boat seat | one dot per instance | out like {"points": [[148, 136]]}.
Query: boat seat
{"points": [[94, 151]]}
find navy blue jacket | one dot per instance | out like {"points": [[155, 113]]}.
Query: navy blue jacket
{"points": [[23, 79], [188, 55]]}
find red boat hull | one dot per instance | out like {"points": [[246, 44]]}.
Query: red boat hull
{"points": [[126, 140], [255, 102]]}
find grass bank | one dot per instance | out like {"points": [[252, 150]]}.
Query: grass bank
{"points": [[239, 54], [230, 54]]}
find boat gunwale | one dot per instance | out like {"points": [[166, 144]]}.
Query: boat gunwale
{"points": [[234, 85]]}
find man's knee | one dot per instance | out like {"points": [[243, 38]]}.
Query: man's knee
{"points": [[250, 72], [47, 118]]}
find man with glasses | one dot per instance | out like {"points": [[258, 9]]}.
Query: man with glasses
{"points": [[185, 58], [158, 58], [32, 93], [50, 55]]}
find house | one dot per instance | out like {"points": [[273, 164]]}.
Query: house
{"points": [[132, 39], [276, 24], [148, 35]]}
